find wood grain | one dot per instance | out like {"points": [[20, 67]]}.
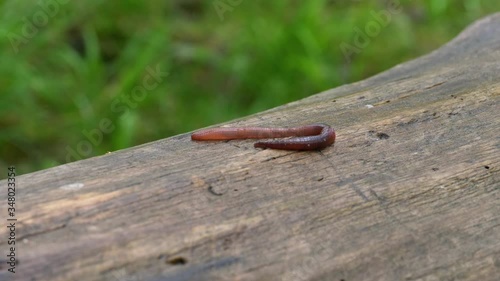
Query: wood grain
{"points": [[409, 191]]}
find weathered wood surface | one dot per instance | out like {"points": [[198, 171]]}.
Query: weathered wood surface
{"points": [[410, 190]]}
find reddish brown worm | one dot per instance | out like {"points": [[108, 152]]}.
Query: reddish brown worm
{"points": [[310, 137]]}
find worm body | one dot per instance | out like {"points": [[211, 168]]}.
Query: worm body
{"points": [[310, 137]]}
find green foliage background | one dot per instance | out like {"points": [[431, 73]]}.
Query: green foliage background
{"points": [[222, 64]]}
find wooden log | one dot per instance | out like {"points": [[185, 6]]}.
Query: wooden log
{"points": [[409, 191]]}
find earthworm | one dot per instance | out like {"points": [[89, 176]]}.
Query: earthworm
{"points": [[309, 137]]}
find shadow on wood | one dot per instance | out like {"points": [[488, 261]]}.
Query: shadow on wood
{"points": [[409, 191]]}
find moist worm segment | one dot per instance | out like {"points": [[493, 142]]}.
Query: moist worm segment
{"points": [[309, 137]]}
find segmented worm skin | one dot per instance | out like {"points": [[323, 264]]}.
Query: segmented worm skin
{"points": [[310, 137]]}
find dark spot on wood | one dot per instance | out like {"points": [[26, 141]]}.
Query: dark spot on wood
{"points": [[194, 271], [435, 169], [177, 261], [362, 97], [487, 167], [379, 135], [382, 136], [319, 178], [213, 192], [269, 159]]}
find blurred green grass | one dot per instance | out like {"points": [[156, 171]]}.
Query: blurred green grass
{"points": [[66, 74]]}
